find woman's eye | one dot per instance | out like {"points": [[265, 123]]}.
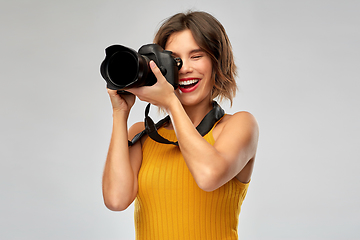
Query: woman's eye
{"points": [[197, 56]]}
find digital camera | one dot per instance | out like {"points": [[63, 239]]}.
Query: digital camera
{"points": [[124, 68]]}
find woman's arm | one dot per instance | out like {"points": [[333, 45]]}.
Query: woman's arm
{"points": [[122, 163], [211, 166]]}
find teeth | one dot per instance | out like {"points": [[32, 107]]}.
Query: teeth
{"points": [[188, 82]]}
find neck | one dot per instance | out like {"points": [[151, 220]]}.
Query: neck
{"points": [[197, 112]]}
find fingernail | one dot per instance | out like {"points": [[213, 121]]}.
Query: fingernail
{"points": [[152, 64]]}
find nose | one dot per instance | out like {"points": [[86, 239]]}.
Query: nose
{"points": [[186, 67]]}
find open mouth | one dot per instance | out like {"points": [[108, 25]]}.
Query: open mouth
{"points": [[188, 83]]}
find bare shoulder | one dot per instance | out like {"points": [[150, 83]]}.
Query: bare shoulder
{"points": [[242, 116], [242, 121], [135, 129]]}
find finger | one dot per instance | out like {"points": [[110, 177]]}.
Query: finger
{"points": [[156, 70], [133, 91], [111, 92]]}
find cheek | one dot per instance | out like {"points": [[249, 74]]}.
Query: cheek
{"points": [[205, 67], [209, 68], [209, 72]]}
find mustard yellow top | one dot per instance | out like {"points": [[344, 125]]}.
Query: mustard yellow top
{"points": [[170, 205]]}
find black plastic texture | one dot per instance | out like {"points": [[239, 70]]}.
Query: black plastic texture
{"points": [[124, 68]]}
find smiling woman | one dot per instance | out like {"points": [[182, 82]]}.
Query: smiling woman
{"points": [[193, 189], [196, 72], [211, 38]]}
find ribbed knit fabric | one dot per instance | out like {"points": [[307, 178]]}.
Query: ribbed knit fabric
{"points": [[170, 205]]}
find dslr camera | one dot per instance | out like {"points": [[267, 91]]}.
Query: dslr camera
{"points": [[124, 68]]}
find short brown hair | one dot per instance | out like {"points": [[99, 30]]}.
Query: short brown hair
{"points": [[211, 37]]}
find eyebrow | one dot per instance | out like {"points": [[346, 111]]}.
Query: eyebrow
{"points": [[198, 50]]}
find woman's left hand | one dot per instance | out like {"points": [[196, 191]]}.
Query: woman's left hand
{"points": [[160, 94]]}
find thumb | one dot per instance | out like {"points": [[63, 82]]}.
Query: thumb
{"points": [[156, 70]]}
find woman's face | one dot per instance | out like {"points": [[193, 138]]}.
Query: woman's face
{"points": [[195, 75]]}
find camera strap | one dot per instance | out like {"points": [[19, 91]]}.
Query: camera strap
{"points": [[206, 124]]}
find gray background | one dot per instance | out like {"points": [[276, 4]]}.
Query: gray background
{"points": [[298, 74]]}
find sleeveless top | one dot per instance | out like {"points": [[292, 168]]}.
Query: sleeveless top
{"points": [[171, 206]]}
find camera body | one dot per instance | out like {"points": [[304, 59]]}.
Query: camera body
{"points": [[124, 68]]}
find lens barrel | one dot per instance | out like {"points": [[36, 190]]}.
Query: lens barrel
{"points": [[124, 68]]}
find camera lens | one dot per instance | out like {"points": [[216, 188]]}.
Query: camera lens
{"points": [[123, 68]]}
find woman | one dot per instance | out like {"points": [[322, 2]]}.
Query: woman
{"points": [[193, 190]]}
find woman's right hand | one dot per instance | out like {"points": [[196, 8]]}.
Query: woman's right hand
{"points": [[123, 102]]}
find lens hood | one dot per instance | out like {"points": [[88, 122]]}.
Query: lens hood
{"points": [[124, 68]]}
